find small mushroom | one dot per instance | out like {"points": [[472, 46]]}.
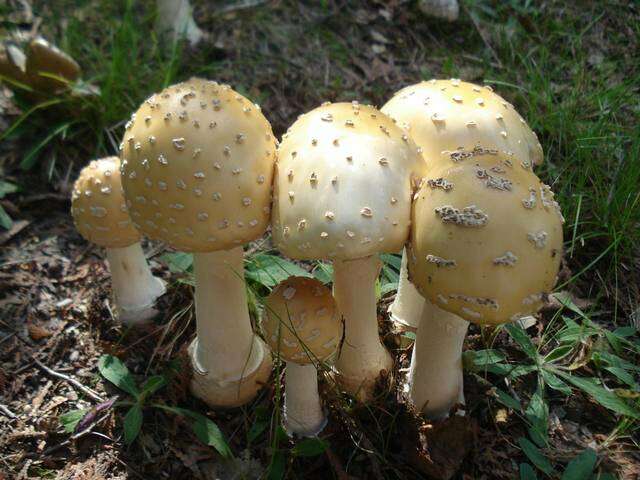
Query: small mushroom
{"points": [[200, 191], [369, 207], [472, 116], [303, 327], [100, 214], [471, 255]]}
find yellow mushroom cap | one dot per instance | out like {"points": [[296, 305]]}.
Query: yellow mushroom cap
{"points": [[486, 240], [98, 207], [301, 321], [197, 167], [344, 179], [445, 115]]}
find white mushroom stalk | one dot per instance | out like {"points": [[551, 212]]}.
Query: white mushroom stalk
{"points": [[326, 208], [303, 327], [362, 354], [176, 18], [498, 205], [449, 116], [197, 169], [100, 214], [134, 287], [445, 9]]}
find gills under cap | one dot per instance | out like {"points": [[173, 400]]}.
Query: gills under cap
{"points": [[345, 175], [486, 240], [197, 167], [444, 115], [301, 321], [98, 207]]}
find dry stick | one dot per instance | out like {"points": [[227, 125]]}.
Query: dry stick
{"points": [[6, 411], [68, 379]]}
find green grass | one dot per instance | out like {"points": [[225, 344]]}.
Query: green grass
{"points": [[571, 69]]}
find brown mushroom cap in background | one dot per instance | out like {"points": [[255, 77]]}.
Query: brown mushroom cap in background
{"points": [[486, 240], [301, 321], [98, 206], [445, 115], [197, 167], [344, 180]]}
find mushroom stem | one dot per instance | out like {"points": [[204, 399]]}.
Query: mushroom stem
{"points": [[362, 357], [226, 352], [406, 309], [435, 374], [303, 413], [135, 289], [176, 17]]}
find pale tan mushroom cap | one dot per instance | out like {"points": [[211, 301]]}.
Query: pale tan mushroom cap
{"points": [[197, 167], [445, 115], [345, 175], [487, 238], [301, 321], [98, 207]]}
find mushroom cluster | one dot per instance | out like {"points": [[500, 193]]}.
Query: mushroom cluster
{"points": [[444, 172]]}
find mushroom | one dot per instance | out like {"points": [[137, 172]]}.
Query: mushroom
{"points": [[444, 9], [344, 180], [100, 214], [197, 169], [487, 250], [452, 116], [175, 17], [302, 326]]}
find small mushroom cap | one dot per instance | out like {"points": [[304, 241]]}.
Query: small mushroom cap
{"points": [[301, 321], [486, 240], [44, 60], [344, 179], [445, 115], [197, 167], [98, 207]]}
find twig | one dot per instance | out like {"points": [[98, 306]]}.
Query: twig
{"points": [[6, 411], [68, 379]]}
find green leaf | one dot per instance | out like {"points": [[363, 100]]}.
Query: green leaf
{"points": [[535, 456], [387, 288], [116, 372], [204, 428], [522, 338], [558, 353], [178, 262], [395, 261], [277, 466], [269, 270], [507, 400], [310, 447], [604, 397], [323, 272], [581, 467], [152, 385], [5, 220], [537, 413], [6, 188], [482, 358], [527, 472], [132, 423], [259, 425], [554, 382], [70, 419]]}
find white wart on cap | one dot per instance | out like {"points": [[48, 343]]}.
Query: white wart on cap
{"points": [[445, 115], [301, 321], [197, 167], [487, 238], [98, 206], [344, 179]]}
